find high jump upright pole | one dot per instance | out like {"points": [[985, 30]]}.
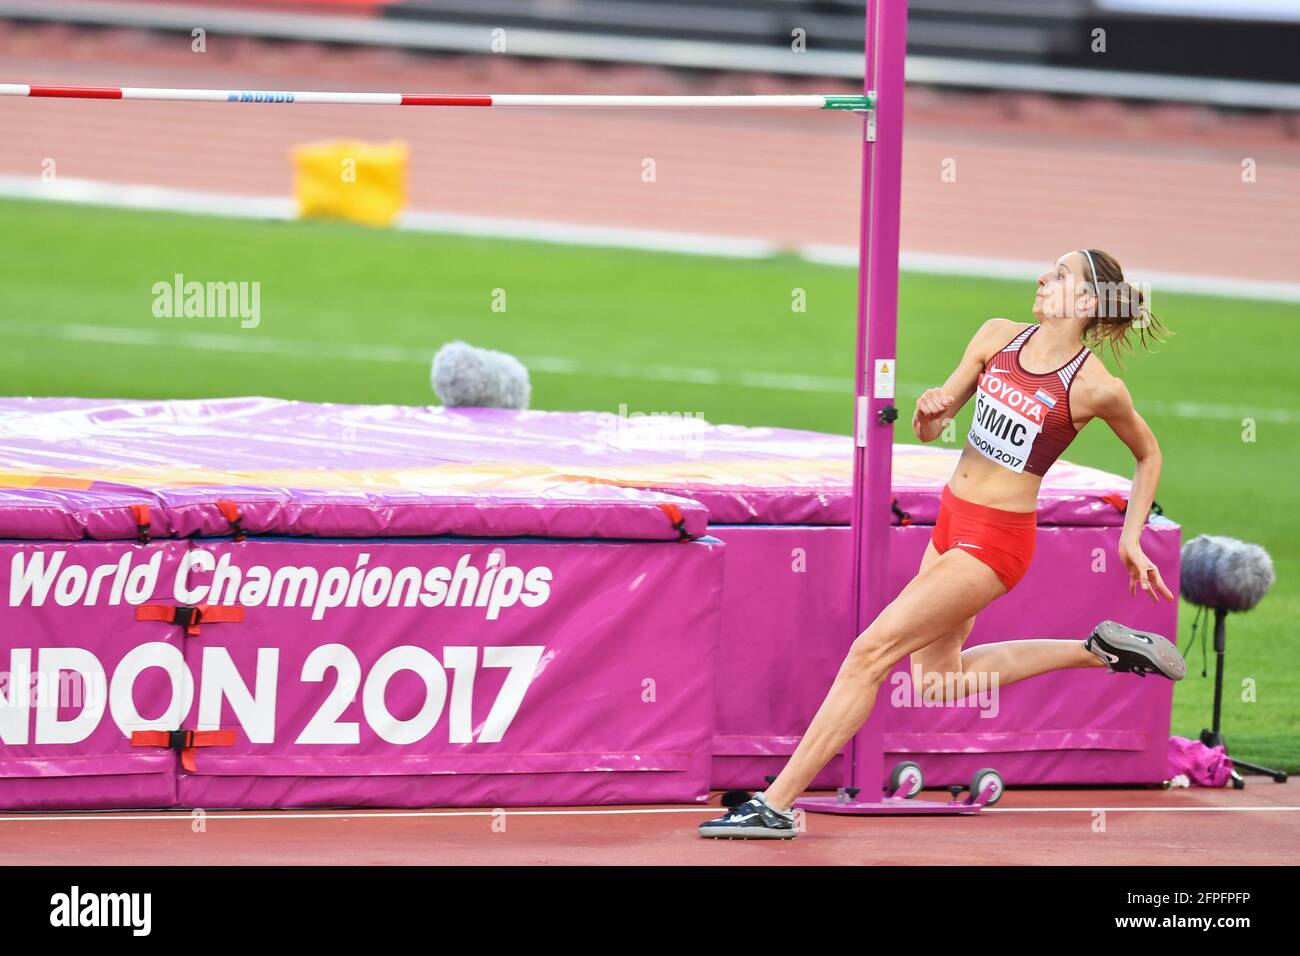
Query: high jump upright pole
{"points": [[874, 411]]}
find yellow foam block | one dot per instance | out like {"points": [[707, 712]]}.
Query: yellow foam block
{"points": [[352, 180]]}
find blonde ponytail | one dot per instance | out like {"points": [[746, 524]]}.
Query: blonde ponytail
{"points": [[1122, 307]]}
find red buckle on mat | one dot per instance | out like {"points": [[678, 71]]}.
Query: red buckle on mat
{"points": [[678, 519], [183, 741], [189, 617], [141, 515], [230, 511], [1118, 502], [904, 518]]}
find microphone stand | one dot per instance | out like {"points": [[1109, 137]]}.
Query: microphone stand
{"points": [[1212, 738]]}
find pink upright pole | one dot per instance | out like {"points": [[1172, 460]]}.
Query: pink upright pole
{"points": [[882, 161]]}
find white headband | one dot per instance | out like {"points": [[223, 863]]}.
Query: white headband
{"points": [[1095, 278]]}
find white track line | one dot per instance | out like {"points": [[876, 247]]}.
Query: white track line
{"points": [[249, 343], [1139, 809], [254, 343], [157, 198], [153, 198], [189, 815]]}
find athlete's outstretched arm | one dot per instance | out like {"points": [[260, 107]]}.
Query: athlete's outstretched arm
{"points": [[1114, 404], [937, 405]]}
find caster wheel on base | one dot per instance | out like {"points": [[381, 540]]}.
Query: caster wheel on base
{"points": [[982, 779], [906, 780]]}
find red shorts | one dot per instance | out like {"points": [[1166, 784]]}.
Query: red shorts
{"points": [[1004, 540]]}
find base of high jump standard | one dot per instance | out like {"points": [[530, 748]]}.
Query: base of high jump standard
{"points": [[899, 796]]}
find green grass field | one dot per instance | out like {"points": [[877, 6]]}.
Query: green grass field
{"points": [[353, 315]]}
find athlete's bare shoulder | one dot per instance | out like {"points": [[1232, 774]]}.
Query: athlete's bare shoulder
{"points": [[1000, 325], [1093, 375], [993, 336], [1096, 391]]}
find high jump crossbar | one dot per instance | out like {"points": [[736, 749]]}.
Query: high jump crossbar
{"points": [[809, 101]]}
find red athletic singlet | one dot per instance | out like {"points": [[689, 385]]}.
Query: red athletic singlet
{"points": [[1022, 420]]}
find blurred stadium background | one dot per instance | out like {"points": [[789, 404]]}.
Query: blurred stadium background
{"points": [[1175, 148]]}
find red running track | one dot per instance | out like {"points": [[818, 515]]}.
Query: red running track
{"points": [[1196, 827]]}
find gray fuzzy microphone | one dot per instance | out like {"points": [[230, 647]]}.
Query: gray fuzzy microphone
{"points": [[1225, 574], [466, 376]]}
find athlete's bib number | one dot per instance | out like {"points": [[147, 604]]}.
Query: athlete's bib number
{"points": [[1005, 426]]}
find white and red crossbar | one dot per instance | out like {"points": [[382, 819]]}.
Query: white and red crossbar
{"points": [[814, 101]]}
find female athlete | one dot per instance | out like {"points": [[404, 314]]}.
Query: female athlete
{"points": [[1035, 387]]}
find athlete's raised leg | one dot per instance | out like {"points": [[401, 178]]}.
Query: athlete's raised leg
{"points": [[945, 672], [950, 673]]}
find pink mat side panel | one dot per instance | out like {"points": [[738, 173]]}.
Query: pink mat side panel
{"points": [[364, 673], [1078, 726], [78, 678]]}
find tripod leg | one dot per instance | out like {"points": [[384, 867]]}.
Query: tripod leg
{"points": [[1279, 776]]}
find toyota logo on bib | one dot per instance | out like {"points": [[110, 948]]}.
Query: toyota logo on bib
{"points": [[1012, 397]]}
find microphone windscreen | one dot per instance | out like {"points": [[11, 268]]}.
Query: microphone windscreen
{"points": [[466, 376], [1221, 572]]}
